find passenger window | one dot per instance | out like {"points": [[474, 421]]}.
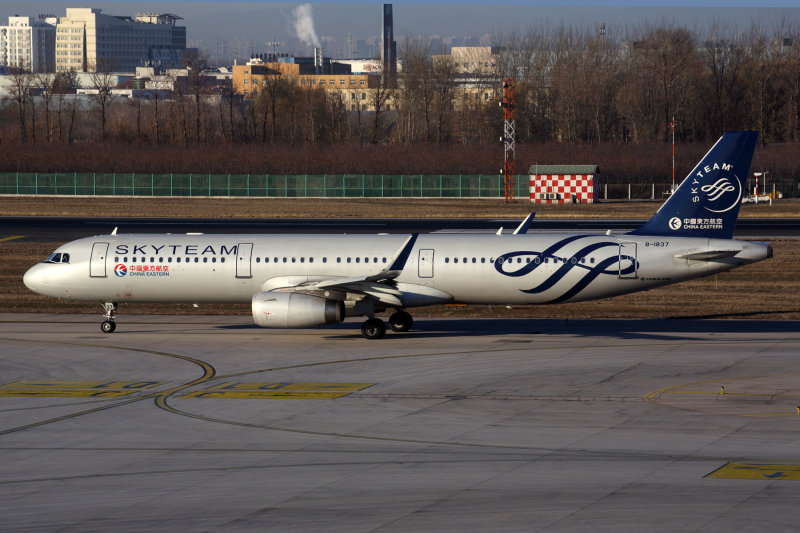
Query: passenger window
{"points": [[483, 259], [573, 260], [196, 259], [536, 260], [358, 259], [348, 259], [152, 259], [474, 260], [591, 260], [213, 259], [284, 259], [221, 259], [258, 259], [133, 259], [160, 259], [310, 259], [205, 260], [116, 259], [125, 259], [446, 259], [169, 259], [177, 259], [338, 259], [455, 260], [292, 259], [302, 259], [384, 259]]}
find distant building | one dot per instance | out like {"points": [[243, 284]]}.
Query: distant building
{"points": [[86, 39], [562, 184], [354, 89], [28, 43]]}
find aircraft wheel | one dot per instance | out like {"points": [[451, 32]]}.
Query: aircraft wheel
{"points": [[108, 326], [401, 321], [374, 328]]}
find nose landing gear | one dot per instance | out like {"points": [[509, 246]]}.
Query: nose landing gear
{"points": [[108, 325]]}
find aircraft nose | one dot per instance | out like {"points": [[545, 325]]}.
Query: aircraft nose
{"points": [[35, 278]]}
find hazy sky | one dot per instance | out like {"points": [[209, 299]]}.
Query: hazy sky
{"points": [[262, 21]]}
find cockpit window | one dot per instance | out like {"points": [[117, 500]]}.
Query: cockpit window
{"points": [[57, 258]]}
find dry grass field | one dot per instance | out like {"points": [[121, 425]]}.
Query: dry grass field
{"points": [[344, 208]]}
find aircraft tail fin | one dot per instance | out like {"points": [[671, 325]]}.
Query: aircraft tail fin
{"points": [[706, 204]]}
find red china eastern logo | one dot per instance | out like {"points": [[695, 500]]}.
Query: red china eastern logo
{"points": [[120, 270]]}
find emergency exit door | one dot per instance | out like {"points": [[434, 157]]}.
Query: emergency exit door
{"points": [[425, 263], [244, 252]]}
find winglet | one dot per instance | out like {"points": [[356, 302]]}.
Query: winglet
{"points": [[402, 255], [524, 225]]}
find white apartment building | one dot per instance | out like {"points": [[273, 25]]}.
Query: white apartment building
{"points": [[28, 43], [87, 39]]}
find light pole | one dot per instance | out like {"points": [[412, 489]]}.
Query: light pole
{"points": [[758, 175]]}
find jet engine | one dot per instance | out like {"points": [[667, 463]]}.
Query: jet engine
{"points": [[295, 310]]}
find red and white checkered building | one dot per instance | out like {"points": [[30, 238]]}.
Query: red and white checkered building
{"points": [[562, 184]]}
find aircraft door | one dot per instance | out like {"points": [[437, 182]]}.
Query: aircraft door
{"points": [[425, 263], [244, 252], [627, 260], [97, 264]]}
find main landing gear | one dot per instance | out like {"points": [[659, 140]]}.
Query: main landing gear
{"points": [[375, 328], [108, 325]]}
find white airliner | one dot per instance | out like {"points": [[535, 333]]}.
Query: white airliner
{"points": [[308, 280]]}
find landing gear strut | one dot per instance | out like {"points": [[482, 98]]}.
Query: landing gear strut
{"points": [[108, 325], [401, 321], [373, 328]]}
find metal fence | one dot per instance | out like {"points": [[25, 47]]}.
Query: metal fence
{"points": [[315, 185], [259, 185]]}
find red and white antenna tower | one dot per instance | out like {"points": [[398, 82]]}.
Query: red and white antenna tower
{"points": [[508, 138]]}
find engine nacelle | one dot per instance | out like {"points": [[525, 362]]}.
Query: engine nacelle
{"points": [[295, 310]]}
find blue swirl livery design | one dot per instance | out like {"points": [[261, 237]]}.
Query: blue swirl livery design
{"points": [[613, 264], [707, 202]]}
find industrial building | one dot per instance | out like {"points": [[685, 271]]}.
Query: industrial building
{"points": [[250, 79]]}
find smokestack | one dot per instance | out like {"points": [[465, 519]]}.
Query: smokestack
{"points": [[318, 60], [388, 47]]}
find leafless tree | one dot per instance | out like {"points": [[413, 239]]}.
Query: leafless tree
{"points": [[102, 78]]}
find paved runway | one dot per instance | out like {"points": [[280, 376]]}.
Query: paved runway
{"points": [[212, 424]]}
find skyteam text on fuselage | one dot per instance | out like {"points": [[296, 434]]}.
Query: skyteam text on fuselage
{"points": [[302, 281]]}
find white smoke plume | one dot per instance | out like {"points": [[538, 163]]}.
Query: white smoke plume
{"points": [[304, 25]]}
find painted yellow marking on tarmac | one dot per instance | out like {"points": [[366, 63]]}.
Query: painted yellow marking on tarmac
{"points": [[76, 384], [291, 386], [11, 238], [757, 471], [64, 393], [264, 394]]}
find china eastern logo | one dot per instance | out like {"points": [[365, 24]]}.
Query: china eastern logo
{"points": [[120, 270], [717, 187]]}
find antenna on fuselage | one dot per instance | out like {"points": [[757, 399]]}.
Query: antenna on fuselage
{"points": [[115, 230]]}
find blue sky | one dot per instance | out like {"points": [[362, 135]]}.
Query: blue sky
{"points": [[258, 22]]}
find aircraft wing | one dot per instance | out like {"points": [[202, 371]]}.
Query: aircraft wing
{"points": [[379, 287]]}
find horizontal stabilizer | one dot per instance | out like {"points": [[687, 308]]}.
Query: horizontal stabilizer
{"points": [[709, 255]]}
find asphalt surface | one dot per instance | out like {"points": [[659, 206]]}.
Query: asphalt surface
{"points": [[69, 228], [213, 424]]}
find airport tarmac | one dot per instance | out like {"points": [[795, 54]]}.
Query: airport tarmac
{"points": [[207, 423]]}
